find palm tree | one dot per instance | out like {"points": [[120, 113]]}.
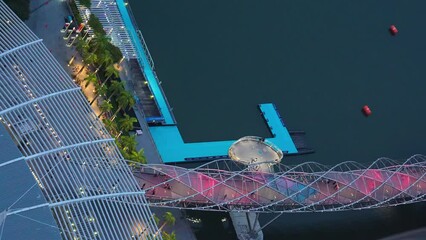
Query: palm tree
{"points": [[115, 88], [138, 156], [91, 59], [126, 123], [81, 44], [99, 42], [167, 236], [110, 71], [128, 143], [105, 107], [111, 126], [169, 219], [124, 100], [91, 78], [156, 219], [101, 90], [104, 58]]}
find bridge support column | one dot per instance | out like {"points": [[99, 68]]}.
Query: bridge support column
{"points": [[247, 226]]}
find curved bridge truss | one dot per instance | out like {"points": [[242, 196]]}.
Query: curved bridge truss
{"points": [[225, 185]]}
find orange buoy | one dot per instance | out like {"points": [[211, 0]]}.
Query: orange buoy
{"points": [[366, 110], [393, 30]]}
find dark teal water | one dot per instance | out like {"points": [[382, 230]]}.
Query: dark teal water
{"points": [[319, 62]]}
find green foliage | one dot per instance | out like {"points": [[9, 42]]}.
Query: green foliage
{"points": [[20, 7], [105, 58], [82, 45], [169, 236], [105, 106], [169, 218], [112, 127], [116, 88], [75, 12], [91, 78], [86, 3], [115, 52], [128, 143], [96, 25], [110, 71], [126, 123], [138, 156], [90, 59]]}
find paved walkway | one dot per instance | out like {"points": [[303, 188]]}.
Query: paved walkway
{"points": [[46, 22], [145, 140], [182, 229]]}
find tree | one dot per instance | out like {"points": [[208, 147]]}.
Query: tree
{"points": [[128, 143], [99, 43], [124, 100], [90, 59], [138, 156], [105, 107], [111, 126], [104, 58], [156, 219], [86, 3], [91, 78], [169, 236], [82, 45], [110, 71], [115, 88], [115, 52], [96, 25], [101, 90], [169, 219], [126, 123]]}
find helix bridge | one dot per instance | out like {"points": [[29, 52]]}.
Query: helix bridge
{"points": [[228, 185]]}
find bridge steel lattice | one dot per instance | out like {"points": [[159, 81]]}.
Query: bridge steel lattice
{"points": [[225, 185]]}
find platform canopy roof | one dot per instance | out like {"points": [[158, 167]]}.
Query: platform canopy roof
{"points": [[59, 167]]}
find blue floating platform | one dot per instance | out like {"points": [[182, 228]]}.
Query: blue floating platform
{"points": [[173, 149]]}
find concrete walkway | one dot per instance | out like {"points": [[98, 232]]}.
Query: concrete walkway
{"points": [[145, 140], [182, 229], [46, 21]]}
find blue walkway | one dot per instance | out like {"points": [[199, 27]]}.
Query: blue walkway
{"points": [[172, 148], [146, 66]]}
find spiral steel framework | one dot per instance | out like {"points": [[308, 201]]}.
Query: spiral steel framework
{"points": [[225, 185]]}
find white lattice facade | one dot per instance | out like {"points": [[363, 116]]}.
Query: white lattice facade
{"points": [[85, 181]]}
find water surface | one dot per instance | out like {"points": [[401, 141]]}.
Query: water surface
{"points": [[319, 62]]}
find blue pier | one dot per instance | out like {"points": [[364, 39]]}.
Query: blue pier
{"points": [[172, 148], [167, 137], [149, 73]]}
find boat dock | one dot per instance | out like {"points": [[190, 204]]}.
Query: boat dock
{"points": [[163, 127], [173, 149], [147, 67]]}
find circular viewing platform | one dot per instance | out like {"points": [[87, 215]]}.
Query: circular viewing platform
{"points": [[255, 150]]}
